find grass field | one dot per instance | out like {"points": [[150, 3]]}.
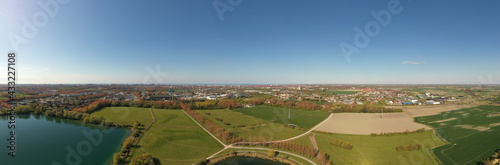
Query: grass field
{"points": [[302, 118], [253, 126], [125, 115], [369, 150], [472, 133], [232, 117], [340, 92], [175, 139]]}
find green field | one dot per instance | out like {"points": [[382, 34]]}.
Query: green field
{"points": [[176, 139], [173, 138], [336, 92], [377, 150], [232, 117], [302, 118], [125, 115], [498, 98], [472, 134], [253, 126]]}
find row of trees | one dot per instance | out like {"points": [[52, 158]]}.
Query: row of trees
{"points": [[296, 147], [399, 133], [492, 159], [365, 108], [221, 133], [410, 147], [341, 144], [144, 159], [94, 106], [121, 157]]}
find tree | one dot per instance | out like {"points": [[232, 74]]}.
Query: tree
{"points": [[117, 159], [144, 159], [137, 133], [271, 153]]}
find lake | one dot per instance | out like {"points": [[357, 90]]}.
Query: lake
{"points": [[243, 160], [44, 140]]}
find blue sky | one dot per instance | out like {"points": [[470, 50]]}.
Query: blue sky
{"points": [[259, 41]]}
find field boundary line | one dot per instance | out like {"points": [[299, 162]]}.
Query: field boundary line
{"points": [[225, 146]]}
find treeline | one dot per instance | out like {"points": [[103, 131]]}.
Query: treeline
{"points": [[221, 133], [214, 104], [290, 146], [96, 105], [410, 147], [322, 132], [492, 159], [365, 108], [306, 105], [296, 147], [125, 151], [322, 157], [341, 144], [398, 133], [144, 159]]}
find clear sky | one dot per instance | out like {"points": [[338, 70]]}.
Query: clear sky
{"points": [[252, 41]]}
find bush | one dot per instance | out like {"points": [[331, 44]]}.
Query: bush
{"points": [[398, 133], [410, 147], [341, 144], [219, 119]]}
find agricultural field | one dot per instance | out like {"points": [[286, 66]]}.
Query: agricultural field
{"points": [[472, 134], [302, 118], [377, 149], [176, 139], [245, 125], [367, 123], [336, 92], [125, 115]]}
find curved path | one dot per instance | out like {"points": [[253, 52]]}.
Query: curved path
{"points": [[255, 148], [289, 139]]}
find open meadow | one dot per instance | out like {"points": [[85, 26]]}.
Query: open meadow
{"points": [[245, 125], [374, 150], [303, 118], [125, 115], [472, 134], [173, 138]]}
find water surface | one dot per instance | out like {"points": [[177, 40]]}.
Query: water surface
{"points": [[44, 140]]}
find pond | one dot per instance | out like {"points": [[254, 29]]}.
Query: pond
{"points": [[51, 141], [243, 160]]}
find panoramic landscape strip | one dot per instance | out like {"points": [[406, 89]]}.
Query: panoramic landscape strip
{"points": [[298, 124]]}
